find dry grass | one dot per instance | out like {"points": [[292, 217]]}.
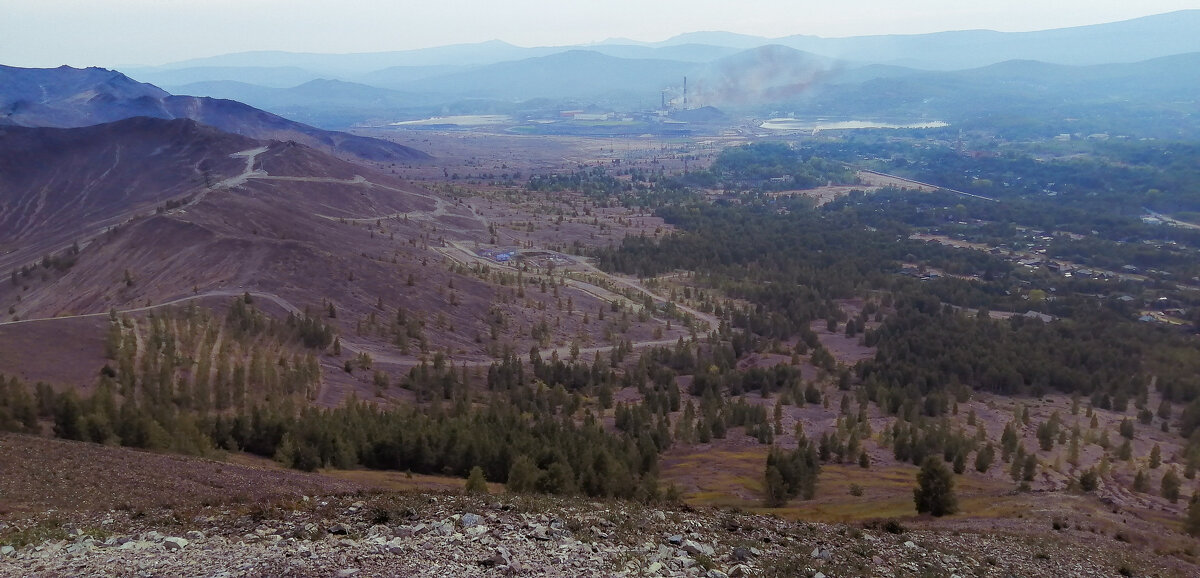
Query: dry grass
{"points": [[718, 474], [39, 474], [406, 482]]}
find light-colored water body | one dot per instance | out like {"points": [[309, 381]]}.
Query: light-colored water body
{"points": [[800, 124]]}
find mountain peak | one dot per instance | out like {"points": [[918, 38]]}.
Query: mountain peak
{"points": [[71, 97]]}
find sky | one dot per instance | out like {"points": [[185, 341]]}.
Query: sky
{"points": [[124, 33]]}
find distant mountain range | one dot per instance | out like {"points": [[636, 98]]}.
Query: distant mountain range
{"points": [[1127, 41], [1133, 98], [1142, 70], [948, 75], [67, 97]]}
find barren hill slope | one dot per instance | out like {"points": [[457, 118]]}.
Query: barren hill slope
{"points": [[64, 185], [243, 212], [70, 97], [238, 520], [389, 265]]}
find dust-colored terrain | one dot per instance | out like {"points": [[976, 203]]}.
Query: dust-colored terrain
{"points": [[307, 232], [92, 510], [45, 475], [298, 231]]}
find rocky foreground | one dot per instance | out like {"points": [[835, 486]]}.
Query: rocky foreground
{"points": [[399, 534]]}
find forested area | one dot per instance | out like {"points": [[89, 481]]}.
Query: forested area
{"points": [[188, 382], [791, 261], [751, 168], [935, 342], [770, 166], [195, 382], [617, 187], [1101, 241], [926, 348], [791, 266], [1102, 179], [1101, 192]]}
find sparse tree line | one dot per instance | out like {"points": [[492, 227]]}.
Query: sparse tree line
{"points": [[789, 267], [190, 383], [174, 375], [786, 267]]}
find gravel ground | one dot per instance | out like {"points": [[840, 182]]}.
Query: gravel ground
{"points": [[393, 534], [84, 510]]}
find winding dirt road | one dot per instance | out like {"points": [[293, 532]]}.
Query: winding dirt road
{"points": [[454, 251]]}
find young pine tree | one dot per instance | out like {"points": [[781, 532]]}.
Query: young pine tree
{"points": [[1140, 482], [935, 489], [476, 483], [1191, 520], [1170, 485], [984, 457]]}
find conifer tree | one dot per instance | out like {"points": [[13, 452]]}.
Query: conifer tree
{"points": [[522, 476], [934, 493], [776, 489], [1191, 520], [1140, 482], [476, 483], [984, 457], [1170, 485]]}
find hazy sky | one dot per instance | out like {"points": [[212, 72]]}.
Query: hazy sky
{"points": [[114, 33]]}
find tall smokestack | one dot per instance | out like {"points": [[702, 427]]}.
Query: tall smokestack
{"points": [[664, 100], [685, 93]]}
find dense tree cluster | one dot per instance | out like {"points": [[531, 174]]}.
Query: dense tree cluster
{"points": [[774, 167], [791, 473], [186, 382], [177, 377]]}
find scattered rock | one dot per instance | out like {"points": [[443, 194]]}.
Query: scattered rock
{"points": [[77, 549], [175, 543], [501, 557], [696, 548], [396, 546], [526, 542]]}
